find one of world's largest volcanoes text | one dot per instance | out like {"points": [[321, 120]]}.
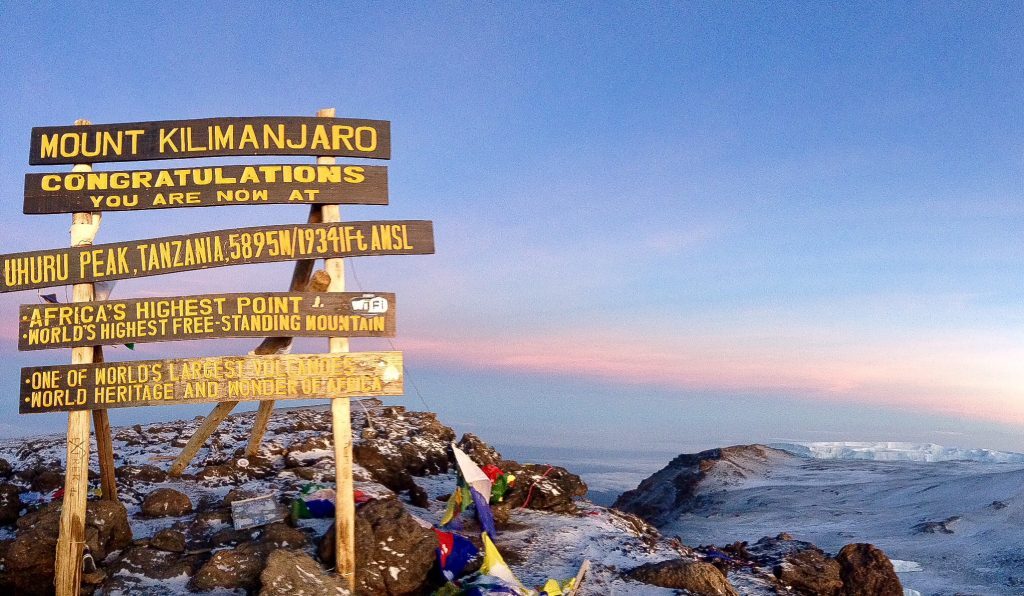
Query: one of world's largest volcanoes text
{"points": [[227, 378]]}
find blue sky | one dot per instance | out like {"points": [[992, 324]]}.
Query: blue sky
{"points": [[683, 223]]}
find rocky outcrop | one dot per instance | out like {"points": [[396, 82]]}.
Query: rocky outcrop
{"points": [[701, 579], [540, 487], [802, 568], [946, 526], [674, 489]]}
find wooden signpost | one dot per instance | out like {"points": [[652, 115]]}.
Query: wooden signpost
{"points": [[72, 387], [315, 305], [134, 190], [210, 137], [141, 320], [172, 254]]}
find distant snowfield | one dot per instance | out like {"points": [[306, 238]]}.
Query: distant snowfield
{"points": [[954, 524], [897, 451]]}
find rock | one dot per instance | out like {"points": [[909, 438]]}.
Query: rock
{"points": [[94, 578], [415, 445], [229, 537], [480, 452], [773, 552], [233, 569], [237, 494], [937, 527], [5, 468], [671, 491], [810, 572], [553, 488], [394, 554], [166, 502], [6, 585], [866, 571], [220, 472], [47, 481], [113, 531], [703, 579], [143, 561], [309, 474], [281, 535], [10, 503], [144, 473], [308, 452], [29, 560], [418, 497], [288, 573], [169, 540], [383, 467]]}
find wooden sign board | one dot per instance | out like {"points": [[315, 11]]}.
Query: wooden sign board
{"points": [[210, 137], [210, 316], [255, 512], [268, 244], [195, 380], [132, 190]]}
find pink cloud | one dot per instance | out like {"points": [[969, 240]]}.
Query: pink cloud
{"points": [[940, 377]]}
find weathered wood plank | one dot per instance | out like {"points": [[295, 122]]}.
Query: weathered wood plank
{"points": [[210, 137], [259, 428], [207, 316], [135, 190], [341, 425], [171, 254], [71, 532], [104, 444], [227, 378], [195, 443]]}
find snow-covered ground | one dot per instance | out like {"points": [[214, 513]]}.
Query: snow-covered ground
{"points": [[955, 527], [898, 451]]}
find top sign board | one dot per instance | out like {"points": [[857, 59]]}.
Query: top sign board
{"points": [[211, 137]]}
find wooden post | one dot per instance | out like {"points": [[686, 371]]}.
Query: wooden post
{"points": [[259, 427], [341, 420], [301, 280], [71, 537], [105, 453], [104, 443], [219, 413]]}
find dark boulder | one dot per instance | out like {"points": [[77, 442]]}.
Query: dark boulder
{"points": [[166, 502], [10, 503], [169, 540], [700, 579], [810, 572], [29, 561], [866, 571], [394, 553], [47, 481], [144, 473], [289, 572], [234, 569]]}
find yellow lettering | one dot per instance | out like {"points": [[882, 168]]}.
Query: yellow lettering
{"points": [[167, 140]]}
